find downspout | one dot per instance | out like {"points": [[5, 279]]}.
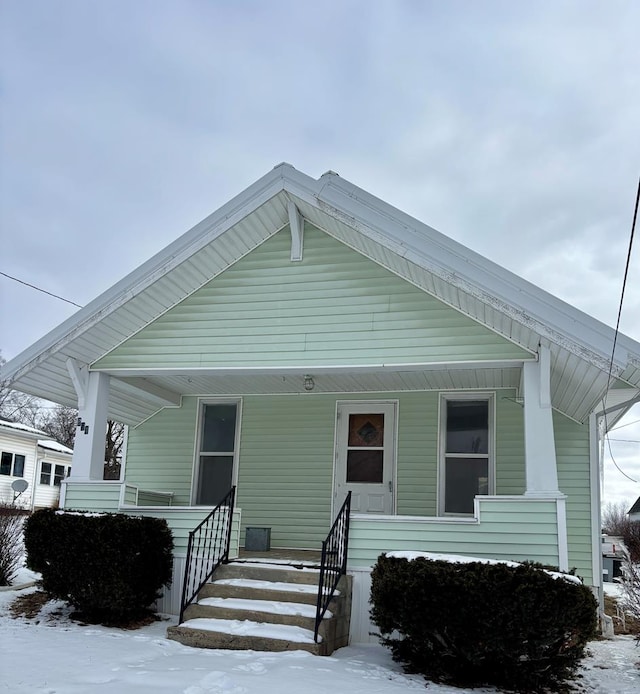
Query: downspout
{"points": [[606, 623]]}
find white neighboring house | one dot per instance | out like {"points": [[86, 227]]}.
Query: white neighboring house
{"points": [[26, 453], [634, 511]]}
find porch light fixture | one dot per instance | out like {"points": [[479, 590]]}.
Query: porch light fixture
{"points": [[309, 383]]}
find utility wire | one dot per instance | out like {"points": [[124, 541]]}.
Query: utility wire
{"points": [[628, 424], [44, 291], [617, 330]]}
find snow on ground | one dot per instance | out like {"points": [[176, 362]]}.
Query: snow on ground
{"points": [[54, 655]]}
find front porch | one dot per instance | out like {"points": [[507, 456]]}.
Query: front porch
{"points": [[514, 527]]}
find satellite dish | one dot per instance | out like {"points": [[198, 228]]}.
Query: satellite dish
{"points": [[19, 485]]}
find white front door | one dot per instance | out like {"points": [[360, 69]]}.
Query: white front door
{"points": [[365, 452]]}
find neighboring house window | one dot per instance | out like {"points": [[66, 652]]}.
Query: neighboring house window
{"points": [[12, 464], [467, 466], [216, 454], [53, 474]]}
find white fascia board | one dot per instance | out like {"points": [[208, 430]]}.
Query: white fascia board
{"points": [[21, 433], [475, 274], [282, 177]]}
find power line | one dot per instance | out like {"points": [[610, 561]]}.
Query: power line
{"points": [[44, 291], [628, 424], [617, 330]]}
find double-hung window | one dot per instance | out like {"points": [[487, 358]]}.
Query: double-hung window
{"points": [[12, 464], [467, 455], [217, 449], [52, 474]]}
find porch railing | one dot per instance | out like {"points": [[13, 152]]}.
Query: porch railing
{"points": [[208, 548], [333, 564]]}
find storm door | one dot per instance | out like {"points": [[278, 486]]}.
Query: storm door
{"points": [[365, 456]]}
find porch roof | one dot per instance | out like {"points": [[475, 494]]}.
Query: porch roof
{"points": [[580, 346]]}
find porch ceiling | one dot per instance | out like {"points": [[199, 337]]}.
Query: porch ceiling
{"points": [[579, 345], [133, 410]]}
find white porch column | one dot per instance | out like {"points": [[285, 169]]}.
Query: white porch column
{"points": [[539, 439], [89, 445]]}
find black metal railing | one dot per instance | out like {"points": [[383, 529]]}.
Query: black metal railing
{"points": [[333, 564], [208, 548]]}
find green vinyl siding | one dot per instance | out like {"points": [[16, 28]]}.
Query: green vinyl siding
{"points": [[515, 530], [160, 452], [100, 496], [572, 455], [333, 307], [285, 472]]}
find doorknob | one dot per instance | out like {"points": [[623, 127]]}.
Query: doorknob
{"points": [[390, 486]]}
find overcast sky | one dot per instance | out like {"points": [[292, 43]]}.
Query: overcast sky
{"points": [[509, 126]]}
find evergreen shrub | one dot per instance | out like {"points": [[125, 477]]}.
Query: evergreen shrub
{"points": [[109, 566], [478, 624]]}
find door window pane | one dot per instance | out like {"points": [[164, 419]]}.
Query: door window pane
{"points": [[465, 478], [216, 478], [467, 426], [365, 466], [366, 430], [218, 428]]}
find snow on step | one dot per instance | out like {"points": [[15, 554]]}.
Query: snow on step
{"points": [[246, 627], [268, 606], [277, 564], [269, 585]]}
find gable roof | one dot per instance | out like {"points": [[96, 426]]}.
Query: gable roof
{"points": [[505, 303]]}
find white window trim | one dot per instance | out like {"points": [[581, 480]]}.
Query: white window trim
{"points": [[12, 467], [52, 474], [490, 397], [198, 437]]}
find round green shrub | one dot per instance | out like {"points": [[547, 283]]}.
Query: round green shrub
{"points": [[109, 566], [477, 624]]}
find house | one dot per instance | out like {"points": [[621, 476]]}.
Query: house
{"points": [[308, 340], [634, 511], [28, 454], [613, 553]]}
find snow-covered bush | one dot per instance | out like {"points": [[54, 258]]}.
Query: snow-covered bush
{"points": [[515, 626], [11, 519], [109, 566], [630, 603]]}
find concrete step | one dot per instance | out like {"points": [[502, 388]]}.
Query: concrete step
{"points": [[265, 607], [245, 635], [255, 589], [268, 571], [272, 612]]}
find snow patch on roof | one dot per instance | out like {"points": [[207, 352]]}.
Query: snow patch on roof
{"points": [[54, 446], [20, 427]]}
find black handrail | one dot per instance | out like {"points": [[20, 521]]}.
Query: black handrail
{"points": [[208, 548], [333, 564]]}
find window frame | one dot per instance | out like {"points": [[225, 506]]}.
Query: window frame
{"points": [[490, 398], [52, 472], [197, 453], [12, 464]]}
